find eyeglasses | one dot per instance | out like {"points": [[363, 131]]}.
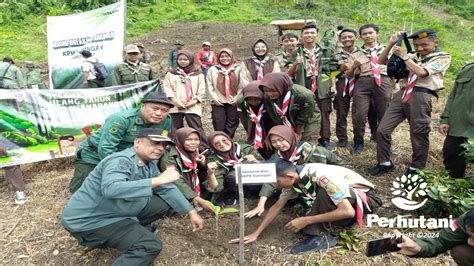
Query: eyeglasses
{"points": [[221, 142]]}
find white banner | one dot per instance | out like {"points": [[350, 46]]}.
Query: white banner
{"points": [[101, 31]]}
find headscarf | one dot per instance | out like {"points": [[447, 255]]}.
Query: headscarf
{"points": [[265, 63], [191, 68], [228, 155], [190, 166], [287, 134], [180, 136], [278, 81], [231, 77], [259, 57], [254, 133]]}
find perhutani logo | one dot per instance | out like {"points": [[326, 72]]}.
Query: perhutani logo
{"points": [[405, 222], [406, 189]]}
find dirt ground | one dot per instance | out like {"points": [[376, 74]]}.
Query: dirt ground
{"points": [[32, 234]]}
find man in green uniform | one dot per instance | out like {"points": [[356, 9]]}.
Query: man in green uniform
{"points": [[11, 76], [34, 77], [132, 70], [173, 56], [118, 133], [459, 239], [309, 65], [457, 122], [120, 199]]}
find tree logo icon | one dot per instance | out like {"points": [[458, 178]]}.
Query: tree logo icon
{"points": [[409, 190]]}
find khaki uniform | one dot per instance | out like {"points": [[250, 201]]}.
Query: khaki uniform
{"points": [[367, 92], [224, 117], [282, 58], [247, 76], [417, 111], [459, 115], [128, 73], [333, 184], [174, 88], [12, 76]]}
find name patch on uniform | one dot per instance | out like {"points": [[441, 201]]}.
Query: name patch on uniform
{"points": [[436, 66]]}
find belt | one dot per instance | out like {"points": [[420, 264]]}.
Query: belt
{"points": [[424, 90]]}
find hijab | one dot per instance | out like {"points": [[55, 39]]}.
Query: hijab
{"points": [[230, 70], [278, 81], [180, 136], [191, 67], [252, 90], [259, 57], [287, 134], [226, 155], [268, 63]]}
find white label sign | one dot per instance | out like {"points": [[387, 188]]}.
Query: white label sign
{"points": [[256, 173]]}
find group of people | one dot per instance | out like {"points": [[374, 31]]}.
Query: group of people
{"points": [[143, 162]]}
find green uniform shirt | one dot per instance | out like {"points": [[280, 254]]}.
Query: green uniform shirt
{"points": [[12, 76], [223, 169], [459, 110], [302, 111], [128, 73], [310, 153], [431, 247], [34, 77], [117, 189], [325, 66], [117, 133]]}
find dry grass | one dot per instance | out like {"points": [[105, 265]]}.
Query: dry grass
{"points": [[32, 234]]}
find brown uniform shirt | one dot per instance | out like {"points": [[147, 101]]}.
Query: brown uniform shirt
{"points": [[436, 66], [363, 56], [344, 57]]}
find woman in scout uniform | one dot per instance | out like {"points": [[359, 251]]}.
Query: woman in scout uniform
{"points": [[291, 105], [224, 85], [186, 88], [254, 118], [226, 154], [288, 147], [187, 160], [260, 64]]}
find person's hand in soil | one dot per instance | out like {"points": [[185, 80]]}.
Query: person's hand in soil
{"points": [[297, 224], [257, 210], [247, 239], [196, 220]]}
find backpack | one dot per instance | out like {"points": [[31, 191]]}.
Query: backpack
{"points": [[100, 70], [396, 67]]}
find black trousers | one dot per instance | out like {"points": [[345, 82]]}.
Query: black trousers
{"points": [[453, 159]]}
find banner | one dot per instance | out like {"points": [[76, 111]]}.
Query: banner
{"points": [[38, 125], [101, 31]]}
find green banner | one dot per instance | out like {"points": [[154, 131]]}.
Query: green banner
{"points": [[37, 125]]}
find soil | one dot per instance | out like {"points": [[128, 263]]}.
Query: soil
{"points": [[32, 233]]}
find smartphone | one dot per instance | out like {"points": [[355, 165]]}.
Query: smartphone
{"points": [[382, 246]]}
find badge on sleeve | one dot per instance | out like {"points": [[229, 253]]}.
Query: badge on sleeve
{"points": [[123, 165]]}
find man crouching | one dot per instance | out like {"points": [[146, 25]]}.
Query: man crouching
{"points": [[122, 196], [338, 198]]}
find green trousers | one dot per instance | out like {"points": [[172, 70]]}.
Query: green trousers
{"points": [[81, 171], [137, 244]]}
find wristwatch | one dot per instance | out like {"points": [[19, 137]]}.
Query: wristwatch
{"points": [[406, 57]]}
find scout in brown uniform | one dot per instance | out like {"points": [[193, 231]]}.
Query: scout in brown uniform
{"points": [[344, 85], [308, 65], [372, 83], [186, 88], [413, 101], [288, 45], [258, 65]]}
